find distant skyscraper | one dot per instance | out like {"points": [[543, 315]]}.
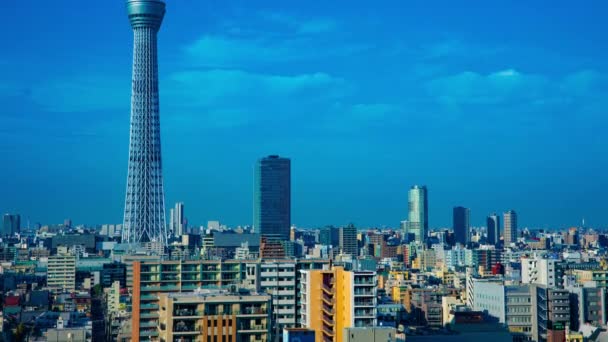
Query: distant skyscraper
{"points": [[272, 197], [329, 236], [348, 240], [178, 219], [461, 220], [11, 224], [418, 220], [493, 225], [510, 223], [145, 199]]}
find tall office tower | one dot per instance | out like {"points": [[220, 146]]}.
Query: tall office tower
{"points": [[348, 240], [171, 221], [418, 212], [272, 198], [510, 223], [145, 199], [404, 230], [493, 225], [11, 224], [178, 220], [461, 220]]}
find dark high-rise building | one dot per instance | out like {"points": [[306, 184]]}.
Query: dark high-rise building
{"points": [[11, 224], [272, 197], [348, 240], [114, 272], [418, 218], [329, 236], [144, 218], [493, 229], [510, 222], [461, 221]]}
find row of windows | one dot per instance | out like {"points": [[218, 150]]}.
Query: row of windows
{"points": [[525, 319]]}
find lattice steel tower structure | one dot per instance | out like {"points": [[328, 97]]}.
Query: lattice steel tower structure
{"points": [[144, 219]]}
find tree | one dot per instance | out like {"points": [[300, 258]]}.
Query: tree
{"points": [[97, 290]]}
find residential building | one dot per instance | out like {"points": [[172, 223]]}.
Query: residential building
{"points": [[541, 270], [149, 278], [218, 316], [551, 313], [519, 312], [61, 271], [348, 240], [588, 305], [113, 298], [335, 299]]}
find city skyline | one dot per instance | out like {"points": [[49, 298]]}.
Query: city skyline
{"points": [[66, 115]]}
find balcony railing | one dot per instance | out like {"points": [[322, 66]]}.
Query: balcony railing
{"points": [[184, 312]]}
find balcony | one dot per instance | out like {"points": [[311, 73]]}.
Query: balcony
{"points": [[148, 297], [190, 287], [149, 315], [185, 312], [367, 281], [252, 311], [365, 313], [148, 333], [364, 303], [328, 321], [186, 327], [327, 331], [328, 301], [150, 324], [169, 288], [148, 307], [170, 277], [366, 292], [150, 288], [253, 328]]}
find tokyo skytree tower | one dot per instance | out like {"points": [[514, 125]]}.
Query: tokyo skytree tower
{"points": [[144, 219]]}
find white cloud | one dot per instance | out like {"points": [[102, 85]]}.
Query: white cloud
{"points": [[235, 97], [474, 88]]}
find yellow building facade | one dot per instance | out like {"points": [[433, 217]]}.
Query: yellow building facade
{"points": [[335, 299]]}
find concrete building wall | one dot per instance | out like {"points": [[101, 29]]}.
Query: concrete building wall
{"points": [[376, 334]]}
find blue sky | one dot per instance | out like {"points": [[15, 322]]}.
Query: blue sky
{"points": [[493, 106]]}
